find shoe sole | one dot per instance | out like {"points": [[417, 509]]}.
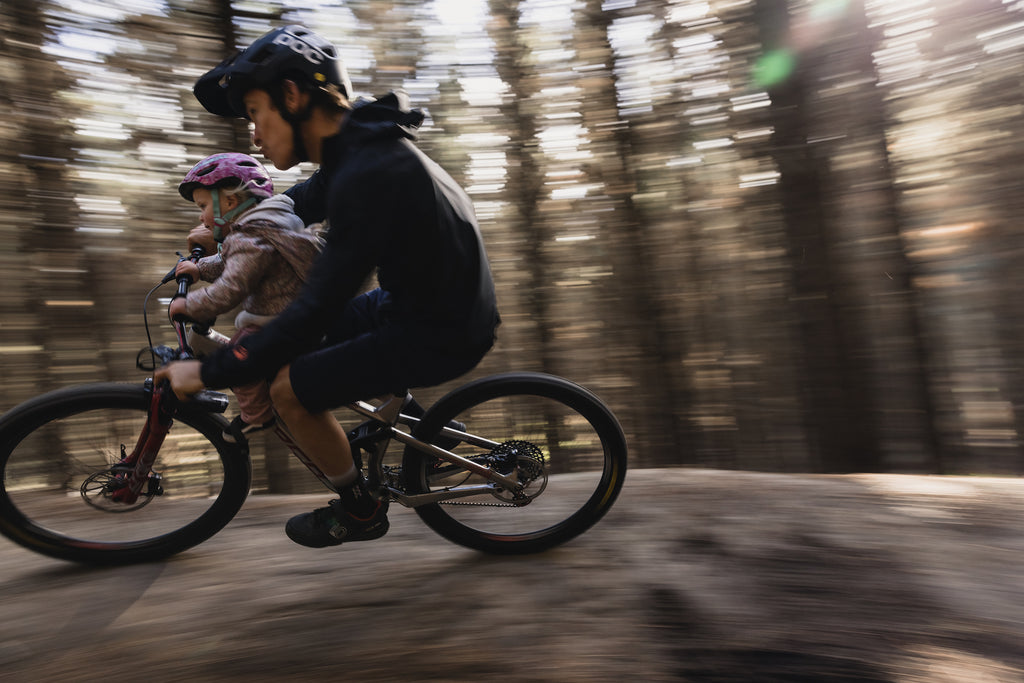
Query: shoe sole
{"points": [[365, 536]]}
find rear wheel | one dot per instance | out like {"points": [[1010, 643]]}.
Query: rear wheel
{"points": [[556, 438], [57, 457]]}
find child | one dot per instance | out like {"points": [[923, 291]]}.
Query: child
{"points": [[264, 253]]}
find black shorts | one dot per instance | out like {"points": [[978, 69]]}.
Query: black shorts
{"points": [[367, 355]]}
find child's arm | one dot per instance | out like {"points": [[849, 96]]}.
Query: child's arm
{"points": [[210, 267], [244, 262]]}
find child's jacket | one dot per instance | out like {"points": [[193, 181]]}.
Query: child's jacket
{"points": [[262, 265]]}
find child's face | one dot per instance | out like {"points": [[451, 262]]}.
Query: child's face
{"points": [[204, 200]]}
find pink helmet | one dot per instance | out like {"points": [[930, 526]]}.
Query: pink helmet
{"points": [[228, 168]]}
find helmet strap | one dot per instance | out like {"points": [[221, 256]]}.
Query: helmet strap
{"points": [[293, 120], [238, 210], [219, 221]]}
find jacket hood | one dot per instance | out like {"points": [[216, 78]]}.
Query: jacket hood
{"points": [[388, 116], [279, 209], [273, 221]]}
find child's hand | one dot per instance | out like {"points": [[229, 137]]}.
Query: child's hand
{"points": [[187, 268], [176, 309], [202, 236]]}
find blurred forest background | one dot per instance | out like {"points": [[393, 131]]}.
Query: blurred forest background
{"points": [[771, 234]]}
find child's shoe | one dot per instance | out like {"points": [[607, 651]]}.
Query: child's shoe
{"points": [[240, 427]]}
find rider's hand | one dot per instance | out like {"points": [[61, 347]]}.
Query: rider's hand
{"points": [[176, 309], [186, 267], [184, 378], [202, 236]]}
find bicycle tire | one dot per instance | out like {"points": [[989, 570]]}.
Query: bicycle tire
{"points": [[50, 445], [546, 424]]}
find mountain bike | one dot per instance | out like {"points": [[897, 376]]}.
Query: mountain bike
{"points": [[114, 473]]}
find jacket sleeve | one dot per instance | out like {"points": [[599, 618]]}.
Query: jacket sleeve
{"points": [[244, 261], [210, 268]]}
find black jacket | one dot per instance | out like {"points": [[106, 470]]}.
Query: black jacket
{"points": [[392, 209]]}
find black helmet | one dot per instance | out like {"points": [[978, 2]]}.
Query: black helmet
{"points": [[292, 52]]}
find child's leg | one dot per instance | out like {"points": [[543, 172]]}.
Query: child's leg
{"points": [[254, 403], [253, 399]]}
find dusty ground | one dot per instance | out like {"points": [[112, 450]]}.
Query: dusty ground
{"points": [[694, 576]]}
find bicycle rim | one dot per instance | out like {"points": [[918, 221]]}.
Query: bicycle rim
{"points": [[56, 453], [550, 433]]}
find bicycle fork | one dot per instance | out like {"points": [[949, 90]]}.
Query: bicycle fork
{"points": [[137, 468]]}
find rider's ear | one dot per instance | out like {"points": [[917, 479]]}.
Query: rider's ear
{"points": [[228, 201], [291, 95]]}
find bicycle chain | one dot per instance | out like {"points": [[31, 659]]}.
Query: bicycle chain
{"points": [[486, 505]]}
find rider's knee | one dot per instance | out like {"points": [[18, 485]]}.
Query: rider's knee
{"points": [[281, 392]]}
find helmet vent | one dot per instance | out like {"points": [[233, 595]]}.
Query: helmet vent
{"points": [[263, 56]]}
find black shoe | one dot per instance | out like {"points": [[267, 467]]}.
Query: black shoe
{"points": [[240, 426], [333, 525]]}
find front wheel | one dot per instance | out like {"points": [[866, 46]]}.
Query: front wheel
{"points": [[558, 440], [56, 457]]}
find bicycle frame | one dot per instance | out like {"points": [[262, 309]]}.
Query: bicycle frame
{"points": [[386, 417]]}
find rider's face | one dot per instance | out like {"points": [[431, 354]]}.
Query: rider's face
{"points": [[270, 132]]}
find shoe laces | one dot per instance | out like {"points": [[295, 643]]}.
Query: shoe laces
{"points": [[321, 514]]}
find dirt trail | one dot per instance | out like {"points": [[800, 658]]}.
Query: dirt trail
{"points": [[695, 575]]}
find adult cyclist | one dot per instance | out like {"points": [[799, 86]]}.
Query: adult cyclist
{"points": [[390, 209]]}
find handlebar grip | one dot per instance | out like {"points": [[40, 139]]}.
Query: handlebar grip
{"points": [[185, 281], [183, 284]]}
